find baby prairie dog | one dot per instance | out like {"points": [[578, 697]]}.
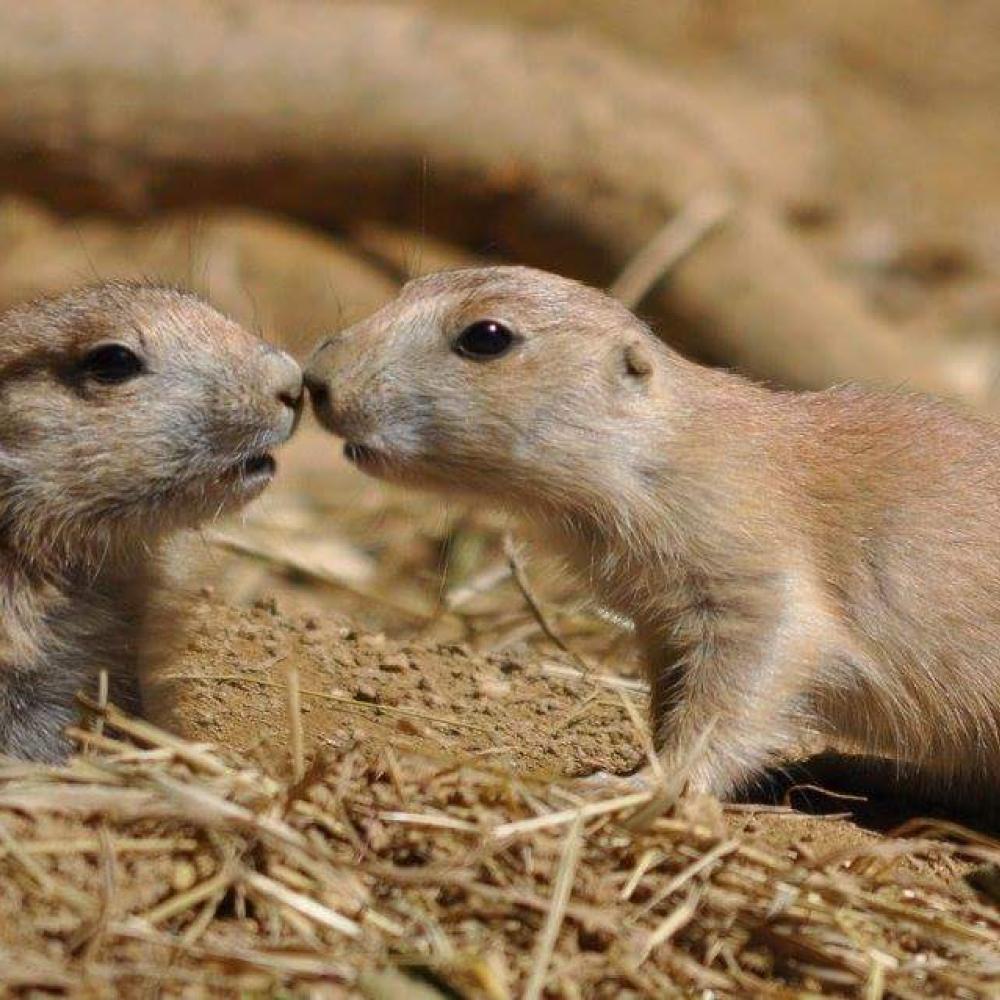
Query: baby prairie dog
{"points": [[794, 563], [127, 412]]}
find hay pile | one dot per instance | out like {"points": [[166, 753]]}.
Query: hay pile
{"points": [[155, 866]]}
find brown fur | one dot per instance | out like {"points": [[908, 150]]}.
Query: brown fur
{"points": [[794, 563], [95, 477]]}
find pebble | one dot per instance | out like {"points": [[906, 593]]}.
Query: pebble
{"points": [[366, 692], [490, 687], [394, 664]]}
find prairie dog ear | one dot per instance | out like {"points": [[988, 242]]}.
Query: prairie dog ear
{"points": [[638, 360]]}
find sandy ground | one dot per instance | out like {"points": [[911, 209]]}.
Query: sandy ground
{"points": [[524, 712]]}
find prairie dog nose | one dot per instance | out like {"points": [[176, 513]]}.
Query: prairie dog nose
{"points": [[317, 387], [322, 400], [284, 379]]}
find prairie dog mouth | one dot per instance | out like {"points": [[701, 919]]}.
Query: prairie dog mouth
{"points": [[255, 472], [386, 464], [262, 464], [361, 455]]}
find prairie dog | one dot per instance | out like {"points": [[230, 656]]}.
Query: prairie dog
{"points": [[127, 412], [794, 563]]}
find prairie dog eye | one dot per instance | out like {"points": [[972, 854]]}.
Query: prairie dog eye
{"points": [[111, 364], [484, 340]]}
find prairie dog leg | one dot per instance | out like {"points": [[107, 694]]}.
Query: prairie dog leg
{"points": [[723, 711], [719, 715]]}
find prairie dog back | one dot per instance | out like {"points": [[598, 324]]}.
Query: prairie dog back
{"points": [[795, 563]]}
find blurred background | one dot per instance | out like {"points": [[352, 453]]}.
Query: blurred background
{"points": [[809, 193]]}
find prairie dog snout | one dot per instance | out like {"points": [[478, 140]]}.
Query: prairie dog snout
{"points": [[795, 563]]}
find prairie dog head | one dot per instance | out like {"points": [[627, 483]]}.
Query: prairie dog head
{"points": [[127, 411], [503, 381]]}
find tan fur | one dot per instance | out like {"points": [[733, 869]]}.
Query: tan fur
{"points": [[794, 563], [95, 477]]}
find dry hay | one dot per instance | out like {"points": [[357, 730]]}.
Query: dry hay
{"points": [[151, 865]]}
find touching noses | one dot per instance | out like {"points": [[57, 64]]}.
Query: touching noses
{"points": [[322, 400], [317, 387], [285, 380]]}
